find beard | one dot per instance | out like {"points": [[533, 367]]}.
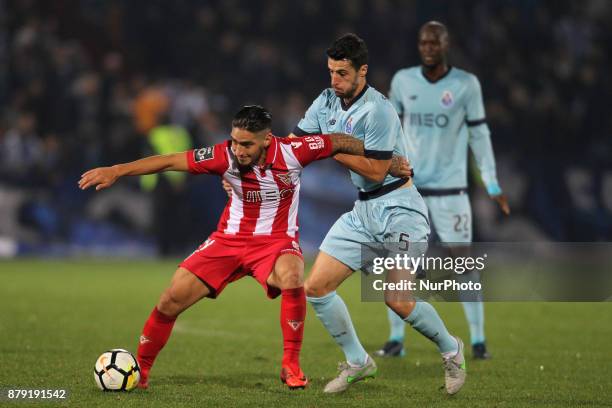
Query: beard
{"points": [[435, 62], [245, 168], [348, 94]]}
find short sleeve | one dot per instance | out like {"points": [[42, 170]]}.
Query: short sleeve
{"points": [[475, 112], [309, 124], [394, 95], [381, 130], [310, 148], [208, 160]]}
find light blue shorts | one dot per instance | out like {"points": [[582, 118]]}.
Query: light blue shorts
{"points": [[398, 216], [451, 217]]}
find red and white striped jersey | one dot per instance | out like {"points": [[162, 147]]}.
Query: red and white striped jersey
{"points": [[264, 199]]}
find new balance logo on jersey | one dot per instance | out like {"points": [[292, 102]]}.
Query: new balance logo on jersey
{"points": [[428, 120], [205, 153], [256, 196]]}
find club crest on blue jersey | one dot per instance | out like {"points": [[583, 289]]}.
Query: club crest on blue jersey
{"points": [[447, 99], [348, 127]]}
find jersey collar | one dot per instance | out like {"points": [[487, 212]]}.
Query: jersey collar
{"points": [[346, 107], [271, 152], [450, 67]]}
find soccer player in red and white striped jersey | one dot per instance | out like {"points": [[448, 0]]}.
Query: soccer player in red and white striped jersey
{"points": [[257, 234]]}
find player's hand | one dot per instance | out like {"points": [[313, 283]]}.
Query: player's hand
{"points": [[101, 178], [227, 187], [400, 167], [502, 201]]}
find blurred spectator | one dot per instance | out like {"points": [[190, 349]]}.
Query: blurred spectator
{"points": [[21, 151], [170, 203], [82, 82], [150, 105]]}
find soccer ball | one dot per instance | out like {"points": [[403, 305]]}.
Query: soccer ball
{"points": [[116, 370]]}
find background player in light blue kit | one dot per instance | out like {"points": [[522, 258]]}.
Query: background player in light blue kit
{"points": [[388, 208], [443, 114]]}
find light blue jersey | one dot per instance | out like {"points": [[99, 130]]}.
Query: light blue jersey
{"points": [[370, 117], [441, 119], [382, 218]]}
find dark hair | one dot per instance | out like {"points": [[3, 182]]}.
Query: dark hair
{"points": [[349, 47], [252, 118]]}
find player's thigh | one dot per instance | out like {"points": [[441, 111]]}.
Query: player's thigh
{"points": [[406, 236], [405, 231], [216, 263], [185, 289], [402, 226], [276, 264], [451, 217], [345, 240], [326, 275], [288, 272]]}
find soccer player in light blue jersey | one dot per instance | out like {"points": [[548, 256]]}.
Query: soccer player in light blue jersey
{"points": [[388, 210], [443, 115]]}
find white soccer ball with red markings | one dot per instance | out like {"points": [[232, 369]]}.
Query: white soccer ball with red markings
{"points": [[116, 370]]}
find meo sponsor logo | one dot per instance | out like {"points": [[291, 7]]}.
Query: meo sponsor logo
{"points": [[428, 119], [256, 196]]}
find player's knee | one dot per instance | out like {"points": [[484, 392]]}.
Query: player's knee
{"points": [[170, 303], [290, 277], [402, 307], [312, 289]]}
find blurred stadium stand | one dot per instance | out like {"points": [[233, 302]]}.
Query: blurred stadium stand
{"points": [[83, 83]]}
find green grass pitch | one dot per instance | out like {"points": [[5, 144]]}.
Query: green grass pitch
{"points": [[58, 316]]}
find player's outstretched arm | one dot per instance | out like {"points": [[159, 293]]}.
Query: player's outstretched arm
{"points": [[348, 151], [343, 143], [104, 177], [372, 169]]}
